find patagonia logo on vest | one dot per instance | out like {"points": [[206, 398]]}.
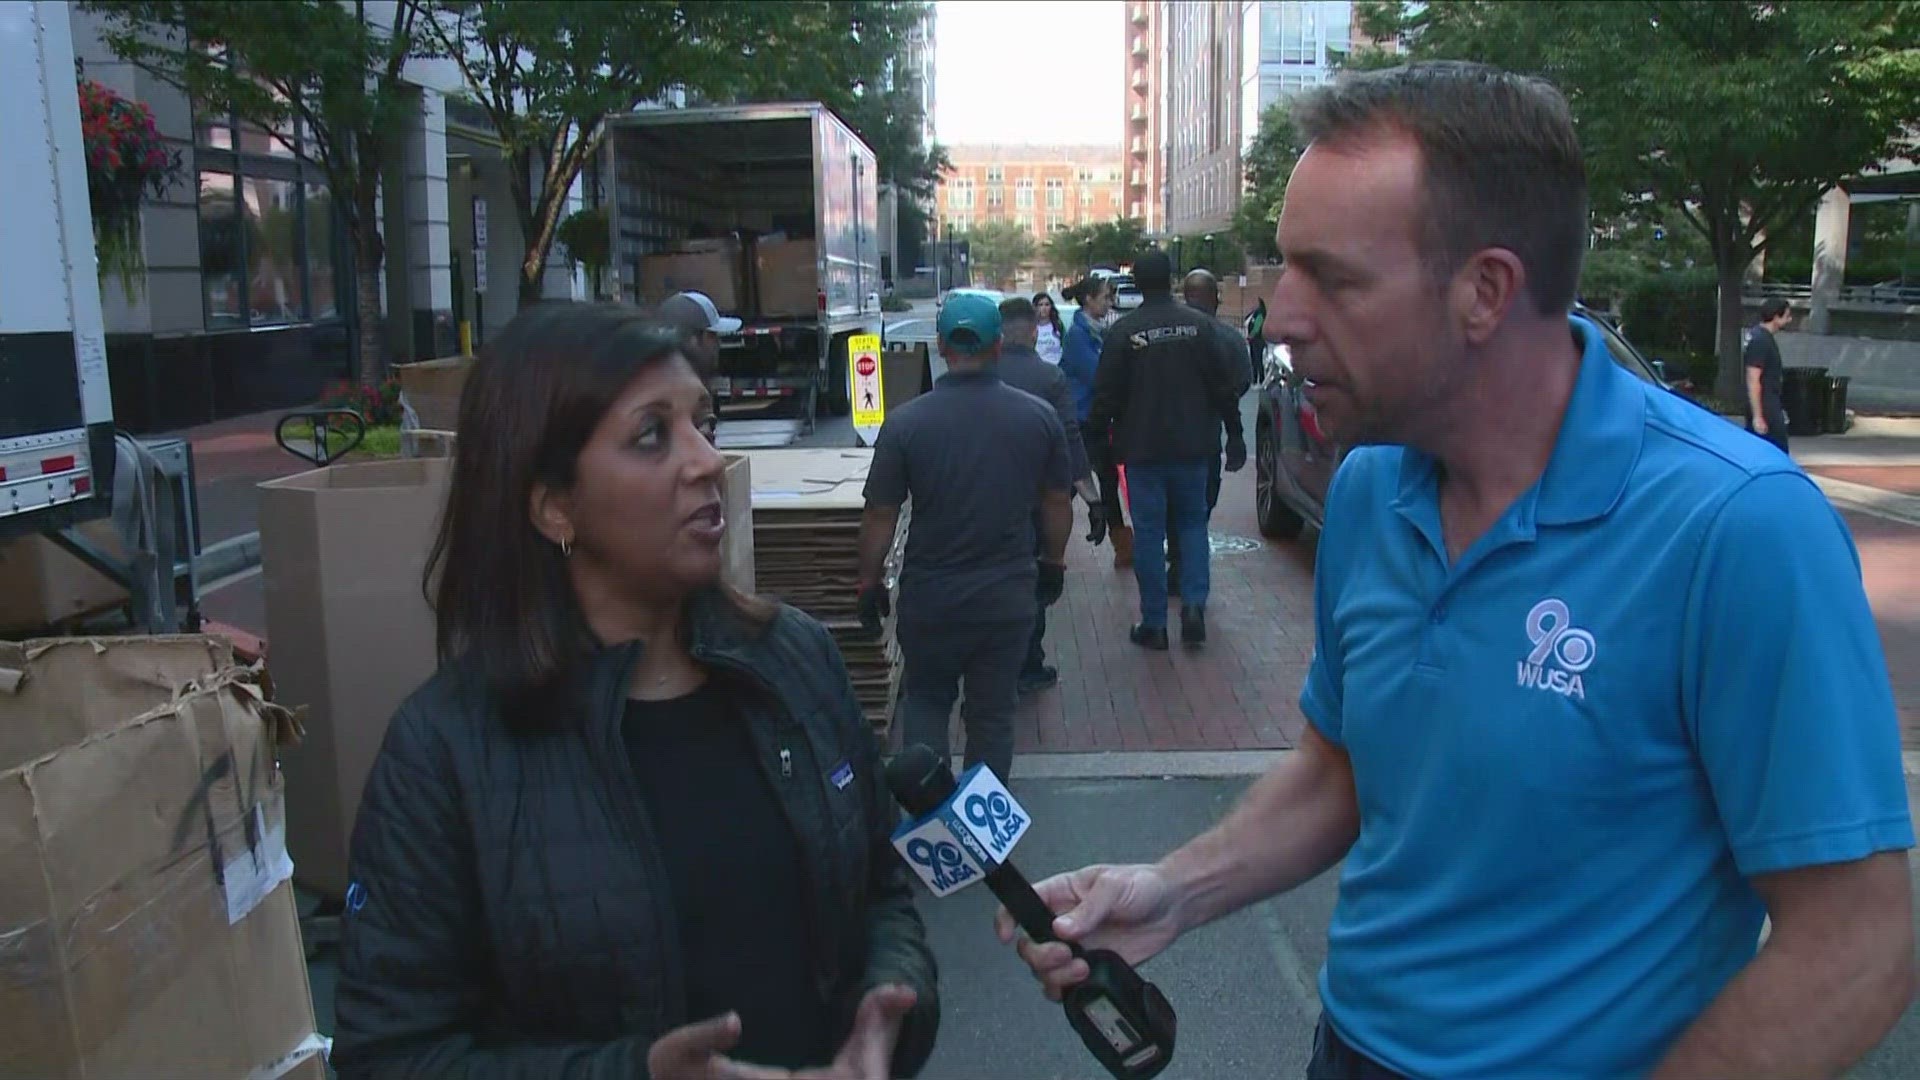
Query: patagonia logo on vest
{"points": [[842, 775]]}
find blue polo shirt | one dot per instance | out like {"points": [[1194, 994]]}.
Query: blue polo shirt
{"points": [[1655, 677]]}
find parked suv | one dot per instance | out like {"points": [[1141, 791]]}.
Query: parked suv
{"points": [[1294, 461]]}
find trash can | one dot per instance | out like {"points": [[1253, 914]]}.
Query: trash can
{"points": [[1801, 397], [1837, 404]]}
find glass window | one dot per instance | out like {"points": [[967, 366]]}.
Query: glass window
{"points": [[322, 282], [996, 173], [1023, 194], [276, 283], [222, 252], [1056, 194]]}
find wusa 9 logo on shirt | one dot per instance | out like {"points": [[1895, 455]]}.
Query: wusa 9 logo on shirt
{"points": [[1561, 651]]}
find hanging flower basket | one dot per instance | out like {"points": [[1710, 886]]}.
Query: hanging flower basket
{"points": [[127, 162]]}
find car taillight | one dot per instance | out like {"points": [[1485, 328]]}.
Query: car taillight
{"points": [[822, 297]]}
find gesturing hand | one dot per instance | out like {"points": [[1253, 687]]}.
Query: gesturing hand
{"points": [[1236, 455], [697, 1051], [1128, 909], [868, 1052]]}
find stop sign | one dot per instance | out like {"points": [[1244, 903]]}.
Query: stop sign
{"points": [[865, 366]]}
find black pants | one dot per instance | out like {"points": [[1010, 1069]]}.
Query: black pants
{"points": [[1106, 470], [1213, 500], [1036, 645], [941, 659], [1776, 431], [1334, 1059]]}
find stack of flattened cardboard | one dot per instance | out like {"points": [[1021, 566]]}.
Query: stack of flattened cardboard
{"points": [[147, 921], [806, 552]]}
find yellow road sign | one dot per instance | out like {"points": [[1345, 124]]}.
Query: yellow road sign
{"points": [[864, 383]]}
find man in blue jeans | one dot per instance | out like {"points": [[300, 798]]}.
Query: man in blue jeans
{"points": [[1164, 389]]}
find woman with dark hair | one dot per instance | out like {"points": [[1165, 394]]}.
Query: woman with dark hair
{"points": [[636, 825], [1080, 360], [1053, 333]]}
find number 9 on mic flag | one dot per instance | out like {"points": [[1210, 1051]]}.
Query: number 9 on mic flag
{"points": [[967, 836]]}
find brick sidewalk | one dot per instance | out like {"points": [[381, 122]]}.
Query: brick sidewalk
{"points": [[1238, 693], [1890, 566], [230, 459]]}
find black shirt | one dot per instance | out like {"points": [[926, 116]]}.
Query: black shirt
{"points": [[1166, 385], [974, 456], [735, 870], [1763, 352]]}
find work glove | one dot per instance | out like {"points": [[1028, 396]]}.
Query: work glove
{"points": [[1096, 524], [1051, 584], [875, 605], [1236, 453]]}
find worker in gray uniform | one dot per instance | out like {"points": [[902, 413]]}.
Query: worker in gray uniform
{"points": [[979, 460], [1022, 368]]}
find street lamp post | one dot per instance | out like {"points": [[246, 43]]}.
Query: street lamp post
{"points": [[1209, 251]]}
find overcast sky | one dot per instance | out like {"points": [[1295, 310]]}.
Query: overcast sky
{"points": [[1029, 71]]}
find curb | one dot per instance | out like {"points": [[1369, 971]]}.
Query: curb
{"points": [[1143, 765], [1881, 503]]}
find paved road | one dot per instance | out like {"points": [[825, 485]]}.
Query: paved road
{"points": [[1245, 988]]}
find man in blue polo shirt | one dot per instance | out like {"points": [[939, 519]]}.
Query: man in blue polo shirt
{"points": [[1596, 689]]}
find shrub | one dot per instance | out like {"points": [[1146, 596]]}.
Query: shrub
{"points": [[377, 403], [1673, 314]]}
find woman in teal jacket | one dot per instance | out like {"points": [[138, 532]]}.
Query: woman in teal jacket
{"points": [[1080, 361]]}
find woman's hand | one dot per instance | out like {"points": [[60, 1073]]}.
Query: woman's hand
{"points": [[868, 1053], [697, 1052]]}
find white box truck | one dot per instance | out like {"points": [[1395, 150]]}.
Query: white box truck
{"points": [[770, 209], [56, 408]]}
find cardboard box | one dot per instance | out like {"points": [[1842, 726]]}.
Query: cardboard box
{"points": [[431, 388], [715, 271], [736, 503], [43, 584], [787, 273], [148, 923], [349, 632]]}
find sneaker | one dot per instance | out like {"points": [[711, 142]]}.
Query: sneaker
{"points": [[1149, 637], [1032, 681], [1193, 625]]}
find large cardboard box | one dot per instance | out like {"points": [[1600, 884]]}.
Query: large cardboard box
{"points": [[43, 584], [349, 632], [709, 266], [147, 924], [788, 275], [432, 390], [736, 504]]}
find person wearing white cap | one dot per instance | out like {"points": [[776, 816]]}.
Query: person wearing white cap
{"points": [[697, 317]]}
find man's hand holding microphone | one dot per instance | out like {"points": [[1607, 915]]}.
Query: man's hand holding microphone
{"points": [[1128, 909]]}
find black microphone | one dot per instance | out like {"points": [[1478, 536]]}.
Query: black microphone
{"points": [[1124, 1020]]}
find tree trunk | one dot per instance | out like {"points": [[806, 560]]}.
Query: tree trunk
{"points": [[369, 253], [1730, 386]]}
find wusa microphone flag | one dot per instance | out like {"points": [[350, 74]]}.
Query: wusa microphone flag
{"points": [[967, 837]]}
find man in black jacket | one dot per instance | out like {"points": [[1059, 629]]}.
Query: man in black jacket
{"points": [[1201, 291], [1164, 389], [1020, 367]]}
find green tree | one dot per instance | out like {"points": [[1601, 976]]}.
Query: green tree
{"points": [[1071, 252], [997, 249], [1269, 162], [549, 74], [1736, 114], [272, 62]]}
